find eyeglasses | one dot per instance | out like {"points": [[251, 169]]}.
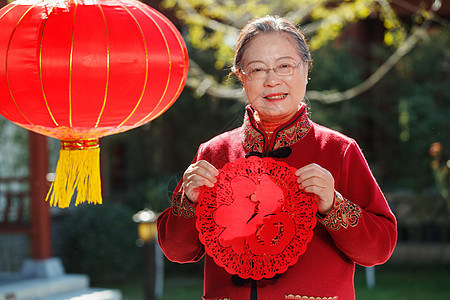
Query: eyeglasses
{"points": [[284, 69]]}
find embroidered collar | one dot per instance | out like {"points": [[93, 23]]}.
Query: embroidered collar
{"points": [[255, 139]]}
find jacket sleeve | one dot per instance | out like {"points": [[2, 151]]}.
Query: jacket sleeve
{"points": [[177, 234], [360, 222]]}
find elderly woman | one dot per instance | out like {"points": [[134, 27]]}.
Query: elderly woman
{"points": [[355, 224]]}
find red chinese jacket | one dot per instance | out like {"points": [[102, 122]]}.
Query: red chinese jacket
{"points": [[360, 228]]}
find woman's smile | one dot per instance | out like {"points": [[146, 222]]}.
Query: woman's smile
{"points": [[276, 96]]}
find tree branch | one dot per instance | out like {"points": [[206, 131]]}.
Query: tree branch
{"points": [[419, 33], [333, 97], [203, 84]]}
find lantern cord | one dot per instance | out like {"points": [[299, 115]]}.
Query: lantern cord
{"points": [[76, 170]]}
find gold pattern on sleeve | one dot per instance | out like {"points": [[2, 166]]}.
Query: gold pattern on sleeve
{"points": [[182, 207], [343, 214]]}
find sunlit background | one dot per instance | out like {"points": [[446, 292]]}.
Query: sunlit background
{"points": [[380, 75]]}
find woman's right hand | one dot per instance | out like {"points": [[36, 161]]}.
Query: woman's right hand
{"points": [[197, 175]]}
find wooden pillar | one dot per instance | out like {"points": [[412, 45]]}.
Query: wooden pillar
{"points": [[40, 210]]}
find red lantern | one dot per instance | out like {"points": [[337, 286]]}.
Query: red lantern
{"points": [[80, 70]]}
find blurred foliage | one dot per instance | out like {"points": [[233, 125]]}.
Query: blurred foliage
{"points": [[394, 123], [216, 24], [420, 87], [441, 169], [13, 149], [100, 240]]}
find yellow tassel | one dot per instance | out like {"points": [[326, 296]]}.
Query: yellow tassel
{"points": [[76, 170]]}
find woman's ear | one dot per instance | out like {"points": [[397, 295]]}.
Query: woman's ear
{"points": [[239, 76]]}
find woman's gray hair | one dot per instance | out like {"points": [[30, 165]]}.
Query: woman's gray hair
{"points": [[269, 24]]}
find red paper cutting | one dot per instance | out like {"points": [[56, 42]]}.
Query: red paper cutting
{"points": [[255, 222]]}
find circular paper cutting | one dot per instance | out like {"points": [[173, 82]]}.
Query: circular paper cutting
{"points": [[255, 222]]}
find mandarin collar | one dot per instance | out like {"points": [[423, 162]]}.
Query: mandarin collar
{"points": [[288, 133]]}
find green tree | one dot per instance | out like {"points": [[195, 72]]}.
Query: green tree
{"points": [[13, 150], [214, 26], [373, 75]]}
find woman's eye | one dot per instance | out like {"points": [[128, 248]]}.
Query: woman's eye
{"points": [[257, 70]]}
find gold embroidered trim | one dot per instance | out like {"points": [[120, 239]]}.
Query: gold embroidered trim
{"points": [[182, 207], [343, 214], [253, 139], [296, 297], [294, 133]]}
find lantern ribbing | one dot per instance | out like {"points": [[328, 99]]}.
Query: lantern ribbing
{"points": [[81, 70]]}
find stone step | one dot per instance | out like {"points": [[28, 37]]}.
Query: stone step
{"points": [[87, 294], [43, 288]]}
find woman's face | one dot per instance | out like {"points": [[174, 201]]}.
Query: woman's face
{"points": [[274, 97]]}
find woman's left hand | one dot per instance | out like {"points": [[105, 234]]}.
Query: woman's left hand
{"points": [[319, 181]]}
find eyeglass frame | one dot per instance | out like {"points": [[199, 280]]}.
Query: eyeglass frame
{"points": [[266, 70]]}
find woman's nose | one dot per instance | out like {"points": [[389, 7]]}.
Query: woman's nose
{"points": [[272, 78]]}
